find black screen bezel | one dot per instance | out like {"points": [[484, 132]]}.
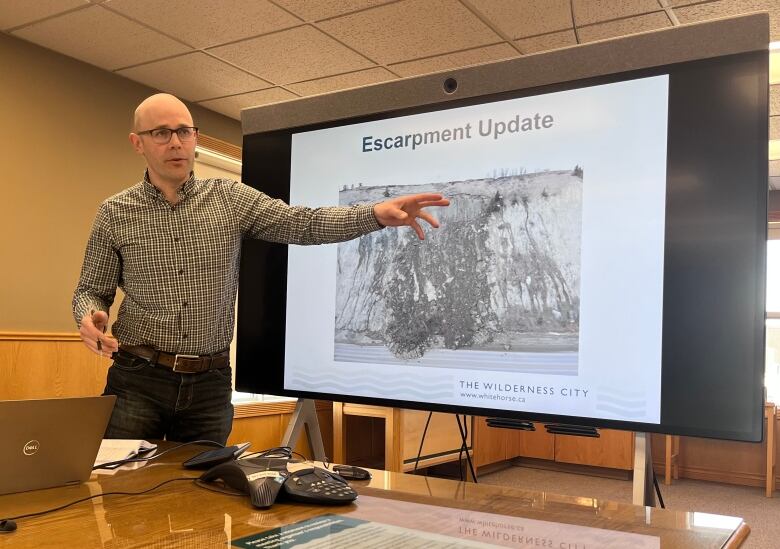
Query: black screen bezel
{"points": [[712, 140]]}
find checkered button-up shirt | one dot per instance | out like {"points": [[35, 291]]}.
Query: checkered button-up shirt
{"points": [[178, 265]]}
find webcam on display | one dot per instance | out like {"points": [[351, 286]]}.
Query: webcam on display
{"points": [[450, 85]]}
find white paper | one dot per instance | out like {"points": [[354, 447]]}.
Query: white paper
{"points": [[114, 449]]}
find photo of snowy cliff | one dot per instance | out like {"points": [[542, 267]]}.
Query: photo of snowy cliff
{"points": [[497, 287]]}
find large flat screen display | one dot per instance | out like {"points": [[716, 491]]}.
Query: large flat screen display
{"points": [[601, 262]]}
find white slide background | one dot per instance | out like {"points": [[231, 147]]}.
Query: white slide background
{"points": [[617, 133]]}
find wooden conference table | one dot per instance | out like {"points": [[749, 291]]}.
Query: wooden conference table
{"points": [[392, 510]]}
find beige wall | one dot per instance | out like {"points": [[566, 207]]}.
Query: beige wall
{"points": [[63, 149]]}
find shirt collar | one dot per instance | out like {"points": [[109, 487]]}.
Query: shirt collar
{"points": [[187, 188]]}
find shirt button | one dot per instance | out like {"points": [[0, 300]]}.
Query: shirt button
{"points": [[184, 336], [181, 271]]}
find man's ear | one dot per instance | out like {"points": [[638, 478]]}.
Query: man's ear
{"points": [[138, 145]]}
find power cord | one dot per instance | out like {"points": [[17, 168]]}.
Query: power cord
{"points": [[422, 439], [463, 428], [119, 462], [278, 452], [53, 509], [658, 491]]}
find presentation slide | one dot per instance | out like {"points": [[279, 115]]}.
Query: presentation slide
{"points": [[542, 290]]}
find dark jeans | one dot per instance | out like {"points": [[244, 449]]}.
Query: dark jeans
{"points": [[154, 402]]}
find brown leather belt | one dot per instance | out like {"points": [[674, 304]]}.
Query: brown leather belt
{"points": [[185, 364]]}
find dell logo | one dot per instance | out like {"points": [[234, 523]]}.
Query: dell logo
{"points": [[31, 447]]}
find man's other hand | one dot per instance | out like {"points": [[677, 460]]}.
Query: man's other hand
{"points": [[405, 210], [92, 331]]}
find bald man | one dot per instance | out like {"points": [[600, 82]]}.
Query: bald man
{"points": [[172, 243]]}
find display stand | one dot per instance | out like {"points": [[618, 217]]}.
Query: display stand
{"points": [[644, 493], [305, 415]]}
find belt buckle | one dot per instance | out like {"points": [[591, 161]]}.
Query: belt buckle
{"points": [[176, 362]]}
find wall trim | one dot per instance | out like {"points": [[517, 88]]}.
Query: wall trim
{"points": [[40, 336], [255, 409], [730, 477]]}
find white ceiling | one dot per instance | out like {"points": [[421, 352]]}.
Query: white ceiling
{"points": [[229, 54]]}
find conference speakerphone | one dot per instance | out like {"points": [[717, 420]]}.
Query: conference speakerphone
{"points": [[264, 479]]}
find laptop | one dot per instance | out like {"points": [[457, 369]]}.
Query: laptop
{"points": [[50, 442]]}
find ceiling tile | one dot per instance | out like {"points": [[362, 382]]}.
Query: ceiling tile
{"points": [[14, 13], [205, 23], [104, 38], [410, 30], [194, 76], [476, 56], [726, 8], [521, 18], [587, 12], [323, 9], [774, 128], [293, 55], [231, 106], [545, 42], [623, 27], [342, 81], [774, 100]]}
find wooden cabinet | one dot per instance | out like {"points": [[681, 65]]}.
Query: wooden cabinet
{"points": [[492, 445], [402, 431], [613, 449]]}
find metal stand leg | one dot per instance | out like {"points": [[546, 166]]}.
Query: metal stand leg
{"points": [[644, 493], [305, 415]]}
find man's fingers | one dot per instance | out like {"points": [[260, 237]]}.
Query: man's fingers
{"points": [[427, 197], [94, 337], [110, 344], [103, 346], [416, 226], [100, 320], [91, 344], [429, 203], [429, 218]]}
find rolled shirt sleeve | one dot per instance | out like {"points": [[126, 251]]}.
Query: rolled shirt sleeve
{"points": [[100, 271]]}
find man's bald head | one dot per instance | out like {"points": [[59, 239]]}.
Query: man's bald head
{"points": [[169, 163], [157, 107]]}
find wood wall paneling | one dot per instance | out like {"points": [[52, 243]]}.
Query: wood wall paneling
{"points": [[47, 365], [535, 444], [391, 437], [613, 449], [490, 444], [266, 431]]}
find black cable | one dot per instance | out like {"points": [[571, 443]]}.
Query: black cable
{"points": [[119, 462], [27, 515], [460, 452], [278, 452], [658, 491], [422, 439], [464, 445]]}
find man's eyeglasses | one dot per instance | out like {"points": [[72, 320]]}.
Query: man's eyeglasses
{"points": [[161, 136]]}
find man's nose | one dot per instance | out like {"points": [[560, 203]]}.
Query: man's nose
{"points": [[175, 141]]}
